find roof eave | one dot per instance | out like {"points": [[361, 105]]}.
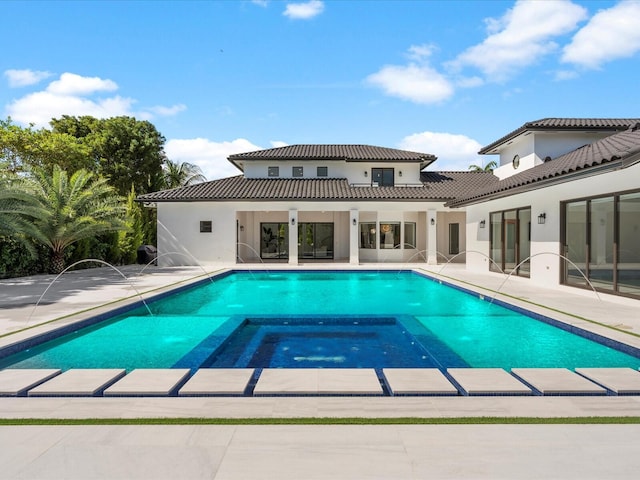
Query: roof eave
{"points": [[616, 164]]}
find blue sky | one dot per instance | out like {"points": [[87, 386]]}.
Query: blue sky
{"points": [[225, 77]]}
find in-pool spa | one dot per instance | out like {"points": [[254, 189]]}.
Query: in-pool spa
{"points": [[335, 319]]}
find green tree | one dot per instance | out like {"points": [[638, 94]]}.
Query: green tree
{"points": [[489, 167], [24, 148], [124, 150], [18, 209], [181, 174], [72, 209], [129, 240]]}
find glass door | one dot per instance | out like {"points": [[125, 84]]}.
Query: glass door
{"points": [[510, 241], [315, 240]]}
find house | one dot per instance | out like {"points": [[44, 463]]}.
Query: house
{"points": [[563, 207], [566, 209]]}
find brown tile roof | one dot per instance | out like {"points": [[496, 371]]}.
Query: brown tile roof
{"points": [[564, 124], [615, 151], [437, 186], [349, 153]]}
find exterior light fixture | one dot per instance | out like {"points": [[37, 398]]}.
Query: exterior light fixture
{"points": [[355, 222], [433, 221], [542, 218], [482, 223], [242, 228], [400, 173], [293, 221], [366, 174]]}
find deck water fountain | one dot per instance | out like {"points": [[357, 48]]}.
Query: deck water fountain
{"points": [[88, 260]]}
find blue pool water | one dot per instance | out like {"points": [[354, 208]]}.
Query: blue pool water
{"points": [[321, 319]]}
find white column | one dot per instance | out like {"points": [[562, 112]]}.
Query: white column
{"points": [[293, 237], [432, 236], [354, 252]]}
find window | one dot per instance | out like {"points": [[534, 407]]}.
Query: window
{"points": [[274, 171], [383, 177], [510, 239], [367, 235], [454, 238], [206, 226], [410, 235], [322, 172], [389, 235], [600, 241], [274, 241], [297, 171], [315, 240]]}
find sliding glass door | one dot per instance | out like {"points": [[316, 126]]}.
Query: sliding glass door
{"points": [[315, 240], [511, 241], [600, 242]]}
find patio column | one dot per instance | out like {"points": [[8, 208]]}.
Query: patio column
{"points": [[354, 253], [293, 237], [432, 237]]}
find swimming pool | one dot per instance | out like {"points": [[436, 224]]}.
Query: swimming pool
{"points": [[321, 319]]}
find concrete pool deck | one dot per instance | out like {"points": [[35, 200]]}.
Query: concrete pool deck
{"points": [[314, 451]]}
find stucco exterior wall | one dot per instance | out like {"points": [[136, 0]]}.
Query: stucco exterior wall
{"points": [[181, 243], [545, 239], [354, 172]]}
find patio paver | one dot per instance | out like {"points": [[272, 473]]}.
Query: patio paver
{"points": [[15, 382], [149, 382], [619, 380], [218, 381], [488, 381], [418, 381], [558, 381], [318, 381], [78, 382]]}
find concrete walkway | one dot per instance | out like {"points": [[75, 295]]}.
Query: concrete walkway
{"points": [[330, 451]]}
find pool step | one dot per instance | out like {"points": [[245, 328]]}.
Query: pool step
{"points": [[347, 381]]}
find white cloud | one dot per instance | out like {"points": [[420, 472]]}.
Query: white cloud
{"points": [[210, 156], [168, 111], [454, 152], [73, 84], [610, 34], [304, 11], [40, 107], [469, 82], [565, 75], [521, 37], [260, 3], [23, 78], [416, 82], [76, 95]]}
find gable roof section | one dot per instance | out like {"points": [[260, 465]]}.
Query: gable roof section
{"points": [[616, 151], [437, 186], [564, 124], [348, 153]]}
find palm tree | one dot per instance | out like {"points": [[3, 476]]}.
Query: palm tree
{"points": [[18, 208], [181, 174], [71, 209], [489, 167]]}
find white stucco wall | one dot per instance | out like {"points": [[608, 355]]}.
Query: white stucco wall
{"points": [[545, 239], [536, 146], [181, 243], [354, 172]]}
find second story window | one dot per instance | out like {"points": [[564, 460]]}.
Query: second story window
{"points": [[382, 176], [273, 171], [297, 171], [322, 172]]}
